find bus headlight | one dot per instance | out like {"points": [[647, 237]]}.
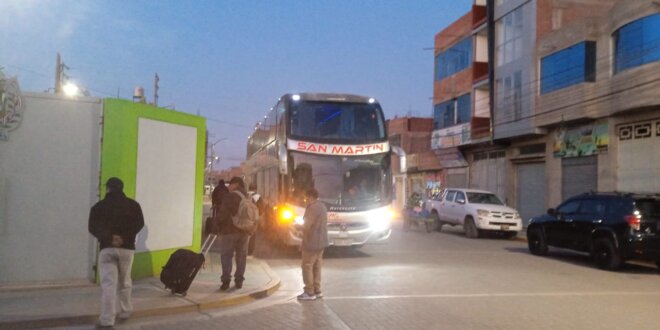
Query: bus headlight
{"points": [[380, 219], [299, 220], [286, 215]]}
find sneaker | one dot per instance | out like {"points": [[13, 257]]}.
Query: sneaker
{"points": [[318, 294], [306, 296], [239, 284], [123, 316], [224, 286]]}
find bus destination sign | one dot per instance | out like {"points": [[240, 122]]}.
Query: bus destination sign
{"points": [[338, 149]]}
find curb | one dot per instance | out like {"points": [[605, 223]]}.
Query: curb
{"points": [[267, 290]]}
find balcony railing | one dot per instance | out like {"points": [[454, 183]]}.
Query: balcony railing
{"points": [[479, 14], [479, 71], [480, 127]]}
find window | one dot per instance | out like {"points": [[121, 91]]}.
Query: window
{"points": [[450, 196], [343, 181], [508, 37], [453, 112], [509, 93], [570, 66], [337, 121], [460, 197], [569, 208], [593, 207], [637, 43], [453, 60]]}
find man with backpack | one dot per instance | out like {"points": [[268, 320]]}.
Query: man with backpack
{"points": [[235, 222]]}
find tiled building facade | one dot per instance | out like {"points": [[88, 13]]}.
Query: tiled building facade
{"points": [[574, 105]]}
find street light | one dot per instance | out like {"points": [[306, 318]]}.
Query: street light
{"points": [[214, 158], [71, 89]]}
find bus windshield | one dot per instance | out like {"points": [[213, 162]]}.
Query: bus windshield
{"points": [[360, 182], [337, 121]]}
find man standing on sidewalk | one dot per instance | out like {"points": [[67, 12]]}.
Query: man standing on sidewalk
{"points": [[314, 241], [115, 221], [233, 241]]}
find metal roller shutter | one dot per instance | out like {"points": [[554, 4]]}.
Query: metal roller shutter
{"points": [[530, 190], [579, 175]]}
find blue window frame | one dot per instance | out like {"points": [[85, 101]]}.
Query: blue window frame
{"points": [[569, 66], [637, 43], [452, 112], [453, 60]]}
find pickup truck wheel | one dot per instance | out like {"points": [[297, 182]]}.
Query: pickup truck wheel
{"points": [[470, 228], [536, 242], [605, 254]]}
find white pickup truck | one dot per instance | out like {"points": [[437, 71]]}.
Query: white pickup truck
{"points": [[476, 210]]}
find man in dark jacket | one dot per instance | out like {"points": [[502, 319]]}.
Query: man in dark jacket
{"points": [[314, 242], [218, 194], [233, 241], [115, 221]]}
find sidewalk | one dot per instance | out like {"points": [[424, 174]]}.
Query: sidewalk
{"points": [[79, 305]]}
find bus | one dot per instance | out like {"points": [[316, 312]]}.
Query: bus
{"points": [[335, 143]]}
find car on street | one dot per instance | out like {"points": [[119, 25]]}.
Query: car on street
{"points": [[478, 211], [611, 227]]}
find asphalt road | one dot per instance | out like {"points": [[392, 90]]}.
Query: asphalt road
{"points": [[442, 280]]}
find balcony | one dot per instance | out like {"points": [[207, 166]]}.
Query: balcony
{"points": [[479, 15], [480, 128], [479, 71]]}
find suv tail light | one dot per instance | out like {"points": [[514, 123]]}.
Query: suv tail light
{"points": [[634, 220]]}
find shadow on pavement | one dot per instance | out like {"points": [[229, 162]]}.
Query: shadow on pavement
{"points": [[335, 252], [584, 260]]}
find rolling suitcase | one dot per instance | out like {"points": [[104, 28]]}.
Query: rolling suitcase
{"points": [[182, 267]]}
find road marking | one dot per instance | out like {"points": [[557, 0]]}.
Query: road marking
{"points": [[497, 295]]}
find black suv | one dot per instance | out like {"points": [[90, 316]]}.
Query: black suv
{"points": [[612, 227]]}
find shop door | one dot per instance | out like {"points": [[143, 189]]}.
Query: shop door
{"points": [[530, 190]]}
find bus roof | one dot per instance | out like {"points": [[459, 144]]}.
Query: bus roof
{"points": [[331, 97]]}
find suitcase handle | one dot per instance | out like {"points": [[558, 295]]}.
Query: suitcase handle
{"points": [[208, 248]]}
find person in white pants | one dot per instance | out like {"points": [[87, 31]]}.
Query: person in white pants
{"points": [[115, 221]]}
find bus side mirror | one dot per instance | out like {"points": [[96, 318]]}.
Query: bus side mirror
{"points": [[284, 159]]}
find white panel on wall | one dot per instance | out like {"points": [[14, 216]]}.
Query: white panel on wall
{"points": [[165, 184], [49, 173]]}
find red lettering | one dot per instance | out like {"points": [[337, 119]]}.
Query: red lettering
{"points": [[323, 148], [349, 150], [337, 149], [301, 145], [358, 149], [368, 148], [378, 147], [312, 147]]}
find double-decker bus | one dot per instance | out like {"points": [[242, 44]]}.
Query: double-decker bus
{"points": [[335, 143]]}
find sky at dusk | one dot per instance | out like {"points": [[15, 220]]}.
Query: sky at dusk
{"points": [[229, 61]]}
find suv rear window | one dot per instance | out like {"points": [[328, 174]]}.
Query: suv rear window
{"points": [[649, 208]]}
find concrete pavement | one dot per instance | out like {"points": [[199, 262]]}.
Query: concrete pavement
{"points": [[78, 305]]}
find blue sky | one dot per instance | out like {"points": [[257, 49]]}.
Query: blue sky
{"points": [[230, 60]]}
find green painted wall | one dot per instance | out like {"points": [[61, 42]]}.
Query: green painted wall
{"points": [[119, 158]]}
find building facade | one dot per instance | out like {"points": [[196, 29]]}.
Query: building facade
{"points": [[572, 92], [422, 173]]}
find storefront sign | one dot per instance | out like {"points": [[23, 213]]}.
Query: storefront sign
{"points": [[11, 106], [338, 149], [581, 141]]}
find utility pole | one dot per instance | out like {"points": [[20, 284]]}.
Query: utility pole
{"points": [[156, 79], [59, 74]]}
